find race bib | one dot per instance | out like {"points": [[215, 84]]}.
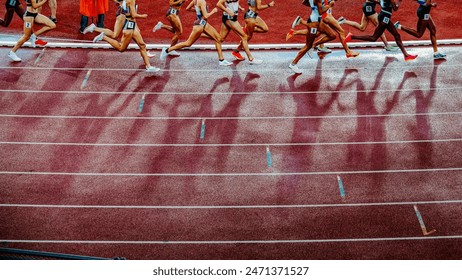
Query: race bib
{"points": [[386, 20]]}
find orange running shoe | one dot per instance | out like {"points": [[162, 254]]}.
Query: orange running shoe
{"points": [[410, 57], [41, 43], [237, 55], [290, 34]]}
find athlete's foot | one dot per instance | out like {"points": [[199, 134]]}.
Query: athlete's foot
{"points": [[341, 20], [98, 38], [410, 57], [348, 38], [237, 55], [295, 68], [324, 49], [352, 54], [391, 48], [439, 56], [290, 34], [157, 26], [53, 19], [296, 21], [152, 69], [163, 54], [397, 25], [89, 29], [256, 61], [13, 56], [150, 54], [224, 62], [174, 53]]}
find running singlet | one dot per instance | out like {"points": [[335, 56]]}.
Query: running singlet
{"points": [[315, 16], [423, 12], [199, 20], [11, 3], [387, 7], [233, 5]]}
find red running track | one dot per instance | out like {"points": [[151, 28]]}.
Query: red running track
{"points": [[83, 172]]}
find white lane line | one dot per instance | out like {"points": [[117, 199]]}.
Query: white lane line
{"points": [[233, 118], [447, 90], [229, 145], [189, 207], [275, 174], [219, 242]]}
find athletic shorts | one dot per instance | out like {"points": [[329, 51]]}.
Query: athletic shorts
{"points": [[11, 4], [369, 9], [201, 22], [250, 14], [129, 25], [227, 17], [172, 11], [384, 17], [423, 12]]}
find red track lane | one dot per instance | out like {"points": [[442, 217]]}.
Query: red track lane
{"points": [[326, 104]]}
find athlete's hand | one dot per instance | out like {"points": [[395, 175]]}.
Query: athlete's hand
{"points": [[271, 4]]}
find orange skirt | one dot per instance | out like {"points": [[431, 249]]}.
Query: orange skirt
{"points": [[92, 8]]}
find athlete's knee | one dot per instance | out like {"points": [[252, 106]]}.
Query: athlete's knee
{"points": [[52, 25]]}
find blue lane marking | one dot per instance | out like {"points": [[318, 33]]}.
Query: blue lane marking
{"points": [[141, 106], [269, 160], [202, 136], [340, 186]]}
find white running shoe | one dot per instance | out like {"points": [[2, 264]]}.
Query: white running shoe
{"points": [[391, 48], [310, 52], [296, 21], [439, 56], [163, 54], [13, 56], [256, 61], [152, 69], [324, 49], [295, 68], [150, 54], [341, 20], [224, 62], [157, 27], [89, 29], [98, 38], [398, 25], [32, 40], [174, 53]]}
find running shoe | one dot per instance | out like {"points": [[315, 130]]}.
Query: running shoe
{"points": [[89, 29], [341, 20], [310, 52], [150, 54], [13, 56], [410, 57], [163, 54], [53, 19], [32, 40], [152, 69], [348, 38], [324, 49], [295, 68], [256, 61], [439, 56], [397, 25], [290, 34], [224, 62], [174, 53], [391, 48], [352, 54], [237, 56], [296, 21], [98, 38], [157, 26], [40, 43]]}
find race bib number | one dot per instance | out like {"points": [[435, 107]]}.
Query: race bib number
{"points": [[368, 9], [28, 24], [203, 22], [426, 16], [313, 30], [386, 20], [250, 13]]}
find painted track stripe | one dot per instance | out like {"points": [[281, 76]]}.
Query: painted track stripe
{"points": [[219, 242], [231, 145], [234, 118], [189, 207], [228, 174]]}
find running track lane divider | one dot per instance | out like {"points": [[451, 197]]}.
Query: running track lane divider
{"points": [[10, 41], [44, 173]]}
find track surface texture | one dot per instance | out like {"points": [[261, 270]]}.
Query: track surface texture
{"points": [[238, 162]]}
